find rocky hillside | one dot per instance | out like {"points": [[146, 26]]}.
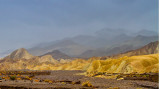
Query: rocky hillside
{"points": [[22, 59], [19, 54], [139, 64], [151, 48]]}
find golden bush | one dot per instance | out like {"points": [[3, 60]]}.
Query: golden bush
{"points": [[87, 84]]}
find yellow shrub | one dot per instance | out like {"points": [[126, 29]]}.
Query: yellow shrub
{"points": [[113, 88], [18, 78], [36, 80], [87, 84], [46, 80]]}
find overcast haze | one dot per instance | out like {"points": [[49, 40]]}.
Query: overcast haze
{"points": [[28, 22]]}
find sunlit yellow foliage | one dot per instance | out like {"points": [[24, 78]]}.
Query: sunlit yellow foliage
{"points": [[36, 80], [113, 88], [18, 78], [46, 80], [50, 82], [63, 83], [87, 84], [18, 75]]}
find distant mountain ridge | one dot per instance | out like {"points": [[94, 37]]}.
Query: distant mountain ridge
{"points": [[66, 46], [132, 44], [151, 48], [105, 42], [56, 54], [145, 32]]}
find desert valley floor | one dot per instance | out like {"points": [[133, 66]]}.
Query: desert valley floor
{"points": [[74, 79]]}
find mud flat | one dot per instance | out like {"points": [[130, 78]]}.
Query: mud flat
{"points": [[65, 79]]}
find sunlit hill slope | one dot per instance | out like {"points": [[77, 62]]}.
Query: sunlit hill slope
{"points": [[140, 64]]}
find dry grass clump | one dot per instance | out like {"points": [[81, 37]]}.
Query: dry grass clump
{"points": [[113, 88], [87, 84], [48, 81]]}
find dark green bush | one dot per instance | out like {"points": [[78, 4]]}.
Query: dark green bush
{"points": [[13, 77]]}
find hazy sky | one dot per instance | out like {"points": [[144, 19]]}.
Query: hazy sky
{"points": [[27, 22]]}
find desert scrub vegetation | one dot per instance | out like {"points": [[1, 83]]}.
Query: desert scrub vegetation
{"points": [[36, 80], [48, 81], [13, 77], [87, 84], [113, 88], [18, 78]]}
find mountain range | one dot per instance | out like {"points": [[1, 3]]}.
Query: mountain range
{"points": [[104, 42], [151, 48], [22, 59], [56, 54]]}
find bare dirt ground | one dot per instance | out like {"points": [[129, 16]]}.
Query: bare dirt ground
{"points": [[70, 80]]}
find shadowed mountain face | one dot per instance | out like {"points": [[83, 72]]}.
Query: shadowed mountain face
{"points": [[134, 43], [151, 48], [56, 54]]}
